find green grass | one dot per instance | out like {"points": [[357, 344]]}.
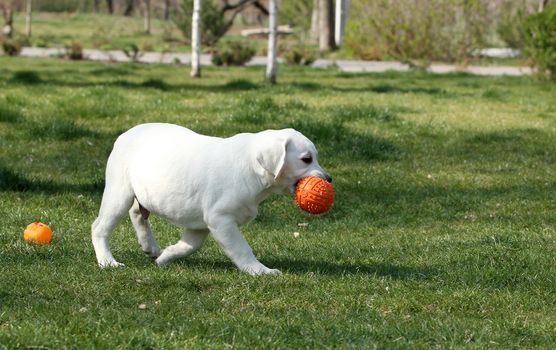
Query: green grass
{"points": [[442, 233], [101, 31]]}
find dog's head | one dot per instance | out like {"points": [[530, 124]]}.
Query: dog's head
{"points": [[287, 156]]}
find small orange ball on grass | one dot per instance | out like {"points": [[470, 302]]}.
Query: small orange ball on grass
{"points": [[314, 195], [38, 232]]}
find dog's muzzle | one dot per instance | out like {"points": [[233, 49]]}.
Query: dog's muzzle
{"points": [[323, 176]]}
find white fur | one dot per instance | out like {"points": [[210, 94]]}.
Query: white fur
{"points": [[203, 184]]}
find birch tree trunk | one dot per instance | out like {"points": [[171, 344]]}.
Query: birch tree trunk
{"points": [[196, 40], [28, 14], [326, 28], [341, 7], [314, 31], [272, 40], [147, 17], [8, 29]]}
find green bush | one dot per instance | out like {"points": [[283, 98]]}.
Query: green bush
{"points": [[511, 23], [74, 50], [297, 53], [10, 46], [296, 13], [58, 5], [423, 30], [213, 23], [133, 52], [233, 52], [540, 42]]}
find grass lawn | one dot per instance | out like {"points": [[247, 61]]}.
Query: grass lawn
{"points": [[101, 31], [442, 233]]}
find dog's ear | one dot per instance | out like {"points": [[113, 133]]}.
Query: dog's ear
{"points": [[271, 154]]}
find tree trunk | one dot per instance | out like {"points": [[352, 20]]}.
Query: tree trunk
{"points": [[147, 17], [166, 10], [341, 7], [272, 40], [326, 25], [129, 7], [110, 5], [542, 5], [314, 31], [8, 28], [28, 14], [196, 40]]}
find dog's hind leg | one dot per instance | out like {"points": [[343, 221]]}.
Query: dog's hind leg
{"points": [[190, 242], [139, 218], [116, 201]]}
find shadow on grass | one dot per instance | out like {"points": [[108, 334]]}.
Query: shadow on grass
{"points": [[395, 205], [389, 88], [29, 77], [337, 141], [113, 70], [297, 266], [332, 268], [59, 130], [9, 114], [330, 131], [379, 89], [306, 86], [513, 145], [12, 181]]}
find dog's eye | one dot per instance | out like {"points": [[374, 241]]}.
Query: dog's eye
{"points": [[307, 159]]}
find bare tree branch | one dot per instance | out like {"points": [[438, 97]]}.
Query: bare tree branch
{"points": [[261, 7], [227, 6]]}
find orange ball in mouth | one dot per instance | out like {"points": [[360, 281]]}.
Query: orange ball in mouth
{"points": [[314, 195], [38, 232]]}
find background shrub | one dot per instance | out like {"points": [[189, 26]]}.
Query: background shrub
{"points": [[296, 13], [417, 30], [297, 53], [74, 50], [511, 22], [233, 52], [10, 46], [133, 52], [59, 5], [540, 41]]}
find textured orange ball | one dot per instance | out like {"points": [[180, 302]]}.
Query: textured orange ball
{"points": [[38, 232], [314, 195]]}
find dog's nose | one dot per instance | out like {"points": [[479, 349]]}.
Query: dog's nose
{"points": [[328, 178]]}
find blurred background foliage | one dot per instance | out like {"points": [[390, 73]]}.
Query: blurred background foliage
{"points": [[417, 32]]}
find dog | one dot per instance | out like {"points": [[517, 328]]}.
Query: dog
{"points": [[201, 183]]}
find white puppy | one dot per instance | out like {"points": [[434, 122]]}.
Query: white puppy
{"points": [[203, 184]]}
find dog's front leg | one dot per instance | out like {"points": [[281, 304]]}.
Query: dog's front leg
{"points": [[226, 232]]}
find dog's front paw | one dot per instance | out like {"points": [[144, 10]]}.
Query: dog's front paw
{"points": [[153, 253], [110, 263], [260, 269], [273, 272]]}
